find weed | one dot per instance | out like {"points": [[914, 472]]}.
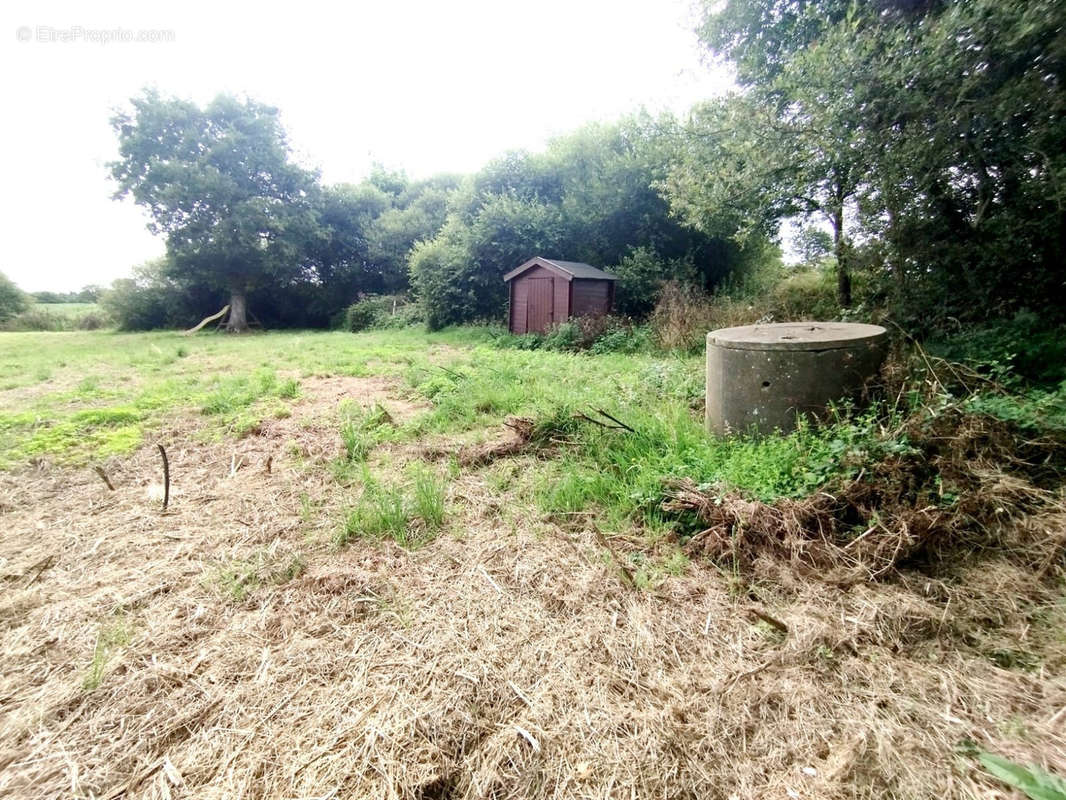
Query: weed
{"points": [[1032, 781], [289, 388], [240, 578], [361, 432], [428, 496], [357, 444], [380, 512], [109, 639], [410, 515]]}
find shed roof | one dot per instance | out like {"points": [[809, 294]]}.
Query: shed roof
{"points": [[569, 269]]}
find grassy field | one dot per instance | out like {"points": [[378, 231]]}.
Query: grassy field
{"points": [[424, 566], [69, 309]]}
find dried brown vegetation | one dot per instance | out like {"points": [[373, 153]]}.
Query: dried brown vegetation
{"points": [[968, 482], [236, 652]]}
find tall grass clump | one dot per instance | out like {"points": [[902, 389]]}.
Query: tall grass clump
{"points": [[361, 431], [428, 496], [109, 640], [410, 513]]}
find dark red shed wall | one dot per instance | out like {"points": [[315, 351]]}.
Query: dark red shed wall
{"points": [[591, 297], [520, 286]]}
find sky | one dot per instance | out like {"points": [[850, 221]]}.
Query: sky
{"points": [[423, 86]]}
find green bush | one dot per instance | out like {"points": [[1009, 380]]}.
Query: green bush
{"points": [[13, 300], [44, 317], [380, 311], [151, 300], [37, 318], [1024, 348], [641, 275], [596, 334]]}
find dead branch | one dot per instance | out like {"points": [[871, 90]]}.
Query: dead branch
{"points": [[773, 622], [166, 477], [206, 320], [615, 420], [103, 475]]}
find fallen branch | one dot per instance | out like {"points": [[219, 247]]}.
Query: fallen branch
{"points": [[587, 418], [615, 420], [773, 622], [40, 567], [205, 320], [103, 476]]}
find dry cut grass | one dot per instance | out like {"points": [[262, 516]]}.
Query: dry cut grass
{"points": [[226, 648]]}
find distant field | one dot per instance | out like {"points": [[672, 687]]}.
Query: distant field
{"points": [[69, 309], [411, 565]]}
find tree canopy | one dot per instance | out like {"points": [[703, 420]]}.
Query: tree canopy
{"points": [[220, 184], [930, 135]]}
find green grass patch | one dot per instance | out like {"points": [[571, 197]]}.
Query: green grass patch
{"points": [[410, 513], [110, 639], [238, 579]]}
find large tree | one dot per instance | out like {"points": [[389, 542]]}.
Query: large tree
{"points": [[220, 184], [930, 133]]}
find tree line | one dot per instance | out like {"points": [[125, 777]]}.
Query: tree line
{"points": [[927, 136]]}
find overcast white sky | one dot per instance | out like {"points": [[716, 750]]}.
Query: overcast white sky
{"points": [[425, 86]]}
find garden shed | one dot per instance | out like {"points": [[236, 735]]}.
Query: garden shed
{"points": [[545, 292]]}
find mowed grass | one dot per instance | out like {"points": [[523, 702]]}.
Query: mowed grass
{"points": [[74, 397], [71, 398]]}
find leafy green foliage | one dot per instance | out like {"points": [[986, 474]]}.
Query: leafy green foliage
{"points": [[641, 275], [1032, 781], [599, 334], [590, 197], [380, 311], [152, 299], [929, 135], [219, 183], [12, 299], [1024, 347]]}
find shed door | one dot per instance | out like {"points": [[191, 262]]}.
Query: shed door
{"points": [[540, 305]]}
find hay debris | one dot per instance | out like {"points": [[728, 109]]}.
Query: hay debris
{"points": [[379, 672], [895, 512]]}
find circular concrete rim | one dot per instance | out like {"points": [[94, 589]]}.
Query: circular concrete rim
{"points": [[796, 336]]}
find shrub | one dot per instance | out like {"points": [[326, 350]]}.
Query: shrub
{"points": [[380, 311], [641, 275], [36, 318], [684, 314], [597, 334], [151, 300], [92, 320], [1024, 347], [12, 299]]}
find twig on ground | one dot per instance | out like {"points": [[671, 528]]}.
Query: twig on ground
{"points": [[488, 577], [103, 476], [773, 622], [615, 419], [45, 563], [166, 477]]}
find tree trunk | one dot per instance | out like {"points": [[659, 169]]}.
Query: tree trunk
{"points": [[840, 251], [238, 311]]}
